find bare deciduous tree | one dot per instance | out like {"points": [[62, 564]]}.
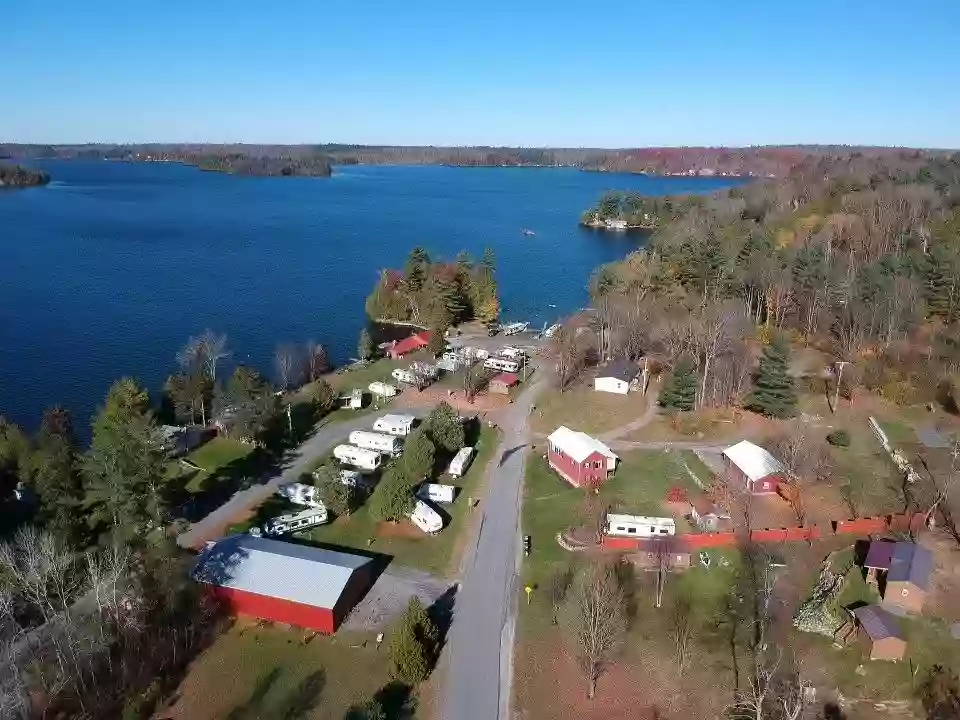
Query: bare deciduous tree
{"points": [[681, 627], [594, 614], [569, 351], [204, 353], [287, 362], [318, 359]]}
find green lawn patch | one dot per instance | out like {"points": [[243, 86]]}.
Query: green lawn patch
{"points": [[270, 672]]}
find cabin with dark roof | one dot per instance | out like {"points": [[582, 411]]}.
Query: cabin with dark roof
{"points": [[908, 577], [618, 377], [881, 629]]}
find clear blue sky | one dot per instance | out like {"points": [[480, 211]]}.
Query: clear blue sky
{"points": [[524, 72]]}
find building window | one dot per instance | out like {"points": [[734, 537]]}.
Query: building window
{"points": [[586, 464], [632, 531], [596, 464]]}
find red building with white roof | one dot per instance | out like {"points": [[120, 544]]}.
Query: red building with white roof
{"points": [[753, 468], [285, 582], [579, 459]]}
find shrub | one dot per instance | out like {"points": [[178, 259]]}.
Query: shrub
{"points": [[839, 438], [413, 645]]}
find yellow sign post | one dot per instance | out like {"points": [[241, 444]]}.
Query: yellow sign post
{"points": [[529, 591]]}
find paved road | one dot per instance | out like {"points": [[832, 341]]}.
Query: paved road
{"points": [[211, 526], [479, 652]]}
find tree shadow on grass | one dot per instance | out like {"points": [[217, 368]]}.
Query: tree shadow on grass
{"points": [[397, 701], [295, 705], [220, 485]]}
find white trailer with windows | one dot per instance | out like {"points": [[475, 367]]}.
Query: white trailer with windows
{"points": [[502, 364], [431, 372], [435, 492], [639, 526], [382, 389], [513, 353], [300, 494], [460, 462], [295, 522], [399, 425], [362, 458], [426, 518], [405, 376], [381, 442]]}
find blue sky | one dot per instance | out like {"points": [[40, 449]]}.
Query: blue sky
{"points": [[559, 73]]}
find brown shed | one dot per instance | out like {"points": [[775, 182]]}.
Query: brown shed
{"points": [[881, 628], [502, 383]]}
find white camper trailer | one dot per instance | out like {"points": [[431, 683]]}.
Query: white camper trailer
{"points": [[381, 442], [435, 492], [514, 353], [405, 376], [426, 370], [460, 462], [399, 425], [426, 518], [382, 389], [502, 364], [295, 522], [640, 526], [362, 458], [300, 494]]}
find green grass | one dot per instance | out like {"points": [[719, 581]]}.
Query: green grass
{"points": [[269, 672], [430, 553], [212, 457]]}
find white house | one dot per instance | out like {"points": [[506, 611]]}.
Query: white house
{"points": [[617, 377]]}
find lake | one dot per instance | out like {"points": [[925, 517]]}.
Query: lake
{"points": [[109, 269]]}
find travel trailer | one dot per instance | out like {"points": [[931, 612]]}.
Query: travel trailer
{"points": [[362, 458], [435, 492], [353, 401], [460, 462], [382, 389], [405, 376], [381, 442], [502, 364], [426, 518], [426, 370], [400, 425], [300, 494], [295, 522], [640, 526], [513, 353]]}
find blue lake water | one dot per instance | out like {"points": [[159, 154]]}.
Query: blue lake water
{"points": [[107, 271]]}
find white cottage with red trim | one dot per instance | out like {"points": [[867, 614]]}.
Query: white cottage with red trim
{"points": [[753, 468], [581, 460]]}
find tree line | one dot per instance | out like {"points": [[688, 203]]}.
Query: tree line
{"points": [[17, 176], [435, 294]]}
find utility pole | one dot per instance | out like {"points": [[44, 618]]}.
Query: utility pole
{"points": [[836, 397], [290, 419]]}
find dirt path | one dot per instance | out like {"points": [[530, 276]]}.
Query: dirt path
{"points": [[648, 415]]}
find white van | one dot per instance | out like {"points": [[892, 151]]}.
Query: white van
{"points": [[435, 492], [362, 458], [382, 389], [381, 442], [399, 425], [460, 462], [640, 526], [426, 518], [300, 494], [502, 364]]}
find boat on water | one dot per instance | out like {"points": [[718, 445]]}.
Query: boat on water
{"points": [[527, 231], [514, 328], [551, 331]]}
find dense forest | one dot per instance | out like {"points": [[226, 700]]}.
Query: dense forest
{"points": [[856, 254], [15, 176], [435, 294], [706, 161], [240, 164]]}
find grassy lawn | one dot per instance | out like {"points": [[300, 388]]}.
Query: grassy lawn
{"points": [[213, 456], [270, 672], [430, 553], [582, 408]]}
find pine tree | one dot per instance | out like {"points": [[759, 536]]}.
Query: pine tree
{"points": [[392, 499], [415, 271], [56, 475], [418, 455], [681, 392], [774, 394], [413, 645], [445, 429], [365, 348]]}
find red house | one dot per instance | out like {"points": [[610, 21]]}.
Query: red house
{"points": [[417, 341], [580, 459], [284, 582], [751, 467]]}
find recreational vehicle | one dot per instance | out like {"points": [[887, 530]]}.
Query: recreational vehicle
{"points": [[426, 370], [405, 376], [513, 353], [502, 364], [381, 442], [295, 522], [362, 458], [426, 518], [460, 462], [300, 494], [434, 492], [399, 425], [382, 389], [353, 401], [640, 526]]}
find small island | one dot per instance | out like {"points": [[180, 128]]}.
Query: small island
{"points": [[263, 166], [17, 176], [630, 211]]}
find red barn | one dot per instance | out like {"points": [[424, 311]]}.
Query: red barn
{"points": [[284, 582], [417, 341], [753, 468], [580, 459]]}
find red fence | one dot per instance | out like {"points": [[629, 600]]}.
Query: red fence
{"points": [[860, 526]]}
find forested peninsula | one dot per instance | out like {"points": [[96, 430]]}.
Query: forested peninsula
{"points": [[240, 164], [16, 176], [435, 294]]}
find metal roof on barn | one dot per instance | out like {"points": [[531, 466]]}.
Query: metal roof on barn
{"points": [[274, 568], [910, 563], [752, 460], [878, 623]]}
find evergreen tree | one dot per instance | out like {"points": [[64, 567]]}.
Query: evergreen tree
{"points": [[324, 397], [681, 392], [124, 468], [393, 497], [337, 496], [774, 394], [370, 710], [942, 282], [413, 645], [418, 456], [445, 429], [415, 271], [56, 476], [247, 405], [438, 340], [365, 346]]}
